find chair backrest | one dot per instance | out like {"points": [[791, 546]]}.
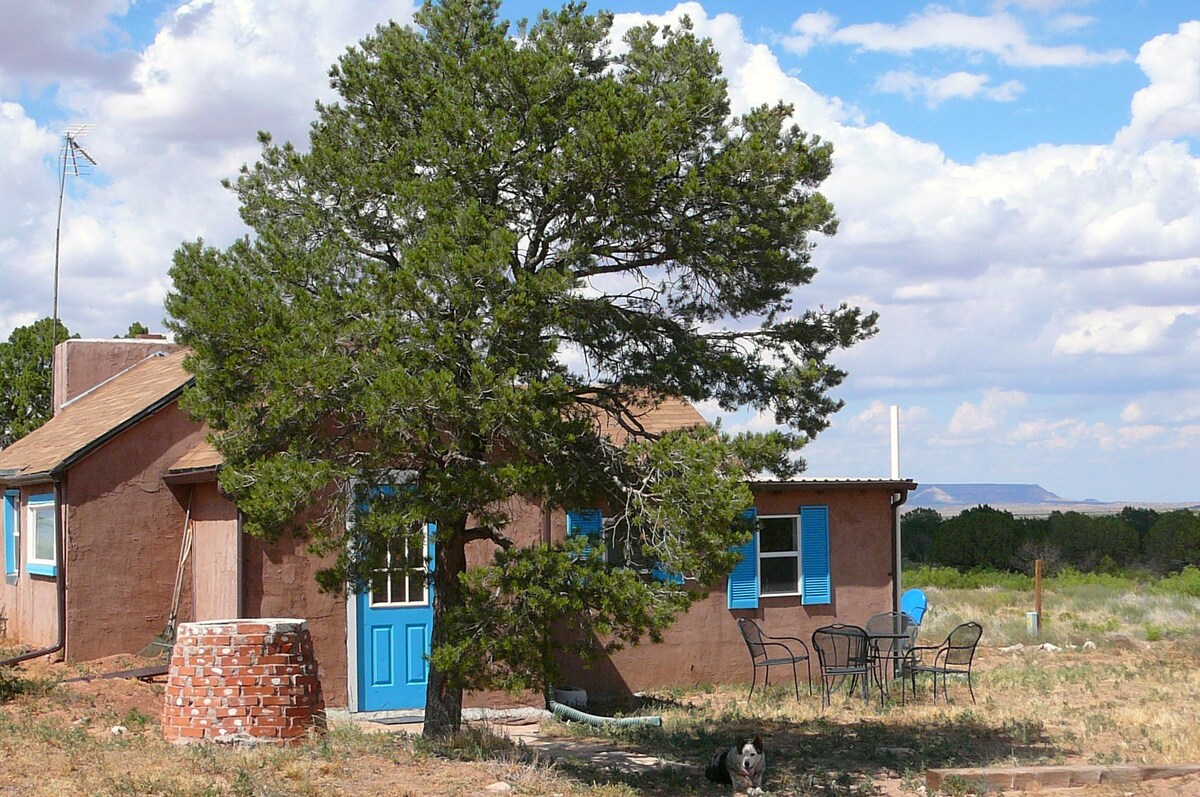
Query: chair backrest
{"points": [[914, 603], [753, 636], [960, 644], [840, 646]]}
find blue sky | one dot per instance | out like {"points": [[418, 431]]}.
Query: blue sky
{"points": [[1017, 183]]}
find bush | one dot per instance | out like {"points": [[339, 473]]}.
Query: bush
{"points": [[10, 685], [949, 578], [1186, 582], [1118, 580]]}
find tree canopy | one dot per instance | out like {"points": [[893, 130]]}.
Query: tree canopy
{"points": [[497, 241], [26, 371]]}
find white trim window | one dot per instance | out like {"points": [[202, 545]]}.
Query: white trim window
{"points": [[403, 578], [779, 554], [41, 559]]}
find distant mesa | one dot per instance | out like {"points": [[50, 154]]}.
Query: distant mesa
{"points": [[1021, 499], [934, 496]]}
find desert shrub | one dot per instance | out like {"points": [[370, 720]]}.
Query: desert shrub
{"points": [[1115, 580], [1185, 582], [951, 578], [10, 685]]}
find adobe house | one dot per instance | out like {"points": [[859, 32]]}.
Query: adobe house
{"points": [[97, 502]]}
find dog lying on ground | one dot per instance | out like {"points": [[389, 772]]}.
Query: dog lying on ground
{"points": [[741, 766]]}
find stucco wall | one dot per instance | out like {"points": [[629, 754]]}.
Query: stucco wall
{"points": [[124, 527], [704, 645], [279, 580], [29, 603]]}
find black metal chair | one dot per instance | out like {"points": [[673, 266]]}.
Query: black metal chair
{"points": [[769, 651], [953, 657], [891, 635], [842, 650]]}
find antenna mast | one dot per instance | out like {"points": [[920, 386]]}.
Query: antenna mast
{"points": [[75, 160]]}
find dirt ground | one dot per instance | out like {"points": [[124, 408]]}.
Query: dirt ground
{"points": [[101, 705]]}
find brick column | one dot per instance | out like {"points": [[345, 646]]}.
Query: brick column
{"points": [[248, 681]]}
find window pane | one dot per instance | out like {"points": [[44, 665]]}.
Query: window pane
{"points": [[379, 587], [779, 574], [416, 587], [777, 534], [43, 534]]}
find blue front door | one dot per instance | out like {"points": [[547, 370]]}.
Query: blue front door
{"points": [[395, 618]]}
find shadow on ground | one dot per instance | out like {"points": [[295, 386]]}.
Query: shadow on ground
{"points": [[826, 756]]}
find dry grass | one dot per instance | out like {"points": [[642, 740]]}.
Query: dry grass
{"points": [[1127, 701]]}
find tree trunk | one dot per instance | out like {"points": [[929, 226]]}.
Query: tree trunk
{"points": [[443, 700]]}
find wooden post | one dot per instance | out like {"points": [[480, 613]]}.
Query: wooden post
{"points": [[1037, 593]]}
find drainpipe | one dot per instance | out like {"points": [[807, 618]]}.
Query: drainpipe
{"points": [[60, 587], [898, 500]]}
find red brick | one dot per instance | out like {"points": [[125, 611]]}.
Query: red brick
{"points": [[271, 722]]}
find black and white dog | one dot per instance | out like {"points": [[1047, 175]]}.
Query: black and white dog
{"points": [[741, 766]]}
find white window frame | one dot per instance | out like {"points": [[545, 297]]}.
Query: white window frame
{"points": [[793, 554], [390, 571], [34, 506]]}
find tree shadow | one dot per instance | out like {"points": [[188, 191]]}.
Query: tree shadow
{"points": [[826, 756]]}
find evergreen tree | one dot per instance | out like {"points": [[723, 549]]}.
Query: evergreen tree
{"points": [[496, 240], [26, 376]]}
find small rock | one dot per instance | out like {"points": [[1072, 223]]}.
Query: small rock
{"points": [[118, 730], [498, 787], [1089, 645], [1050, 648]]}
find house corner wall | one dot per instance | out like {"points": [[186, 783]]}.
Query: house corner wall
{"points": [[124, 530]]}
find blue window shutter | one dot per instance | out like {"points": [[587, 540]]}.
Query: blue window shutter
{"points": [[587, 523], [431, 530], [666, 576], [743, 579], [814, 555], [10, 533]]}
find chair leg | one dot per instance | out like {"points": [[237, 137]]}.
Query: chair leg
{"points": [[795, 681], [969, 687], [753, 681], [808, 664]]}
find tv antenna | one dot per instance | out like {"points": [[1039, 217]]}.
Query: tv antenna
{"points": [[73, 159]]}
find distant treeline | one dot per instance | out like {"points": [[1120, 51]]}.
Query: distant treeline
{"points": [[987, 538]]}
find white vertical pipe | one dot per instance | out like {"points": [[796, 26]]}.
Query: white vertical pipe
{"points": [[895, 441], [896, 565]]}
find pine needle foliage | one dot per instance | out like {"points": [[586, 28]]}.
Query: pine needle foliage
{"points": [[499, 242]]}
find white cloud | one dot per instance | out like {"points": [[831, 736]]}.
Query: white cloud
{"points": [[1130, 330], [1169, 108], [936, 28], [971, 419], [982, 270], [1065, 23], [808, 29], [1132, 413], [955, 86], [184, 115]]}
